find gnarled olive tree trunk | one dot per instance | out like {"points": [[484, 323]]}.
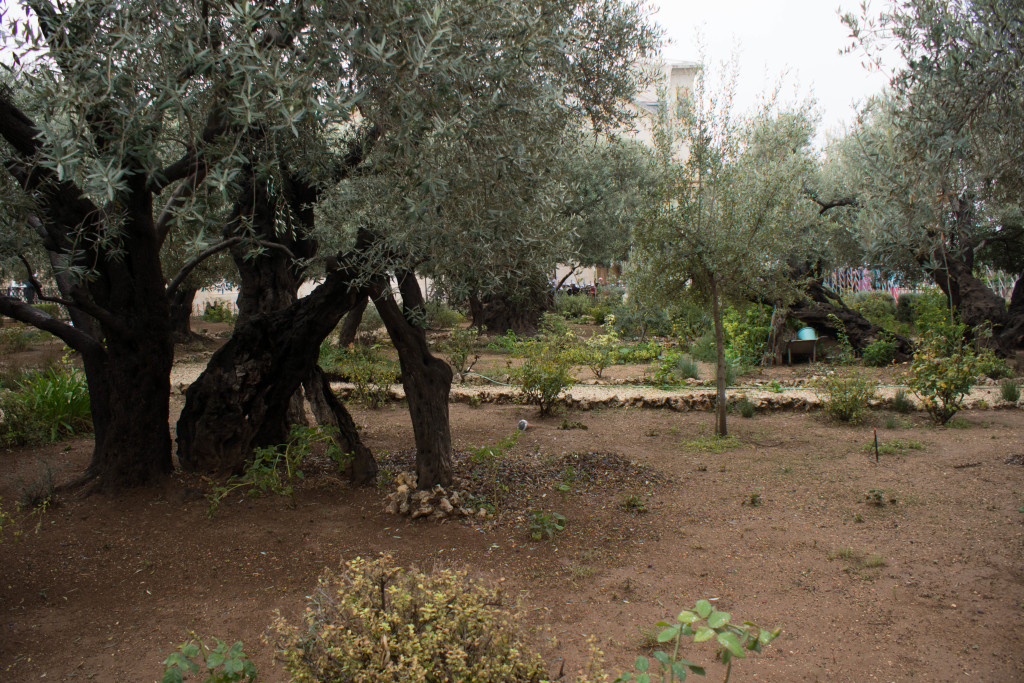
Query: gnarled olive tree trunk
{"points": [[426, 378]]}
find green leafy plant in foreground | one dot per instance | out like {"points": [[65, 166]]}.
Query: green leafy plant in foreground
{"points": [[941, 374], [223, 664], [547, 524], [489, 458], [703, 623]]}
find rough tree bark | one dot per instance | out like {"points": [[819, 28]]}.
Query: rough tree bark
{"points": [[181, 314], [519, 312], [362, 468], [721, 428], [121, 315], [241, 400], [426, 378], [978, 305], [349, 327]]}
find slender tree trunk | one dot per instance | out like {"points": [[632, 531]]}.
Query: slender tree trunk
{"points": [[350, 325], [426, 378], [181, 314], [716, 315]]}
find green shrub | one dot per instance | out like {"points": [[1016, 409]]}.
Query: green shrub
{"points": [[632, 322], [218, 312], [907, 307], [745, 407], [931, 312], [506, 343], [375, 622], [641, 352], [732, 370], [690, 321], [545, 373], [941, 374], [461, 348], [573, 307], [223, 664], [598, 352], [1010, 390], [45, 406], [371, 320], [703, 349], [878, 307], [600, 314], [846, 396], [367, 368], [880, 352], [440, 317], [674, 368], [51, 309], [900, 403], [746, 333], [991, 365]]}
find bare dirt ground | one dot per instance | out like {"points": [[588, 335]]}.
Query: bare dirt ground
{"points": [[929, 587]]}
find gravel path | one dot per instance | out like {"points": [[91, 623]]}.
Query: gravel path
{"points": [[584, 395]]}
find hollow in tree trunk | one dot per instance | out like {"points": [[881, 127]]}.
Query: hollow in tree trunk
{"points": [[426, 378]]}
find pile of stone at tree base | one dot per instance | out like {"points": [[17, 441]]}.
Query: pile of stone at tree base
{"points": [[436, 503]]}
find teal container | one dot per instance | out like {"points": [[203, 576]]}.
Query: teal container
{"points": [[807, 333]]}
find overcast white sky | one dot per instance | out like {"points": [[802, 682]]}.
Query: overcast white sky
{"points": [[801, 38]]}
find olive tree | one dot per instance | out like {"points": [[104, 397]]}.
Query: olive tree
{"points": [[729, 210], [935, 162]]}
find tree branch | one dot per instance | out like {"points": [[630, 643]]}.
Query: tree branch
{"points": [[183, 192], [38, 287], [196, 260], [30, 315]]}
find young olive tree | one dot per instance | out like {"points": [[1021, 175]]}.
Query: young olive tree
{"points": [[729, 210]]}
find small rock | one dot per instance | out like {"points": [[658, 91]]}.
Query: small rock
{"points": [[481, 513], [445, 506], [421, 511]]}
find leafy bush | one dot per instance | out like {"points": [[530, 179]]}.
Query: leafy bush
{"points": [[546, 524], [847, 396], [907, 307], [931, 312], [19, 338], [878, 307], [461, 348], [218, 312], [746, 408], [733, 642], [842, 353], [1010, 390], [545, 373], [375, 622], [880, 352], [941, 374], [703, 349], [223, 664], [506, 343], [746, 333], [367, 368], [900, 402], [641, 352], [51, 309], [991, 365], [632, 322], [689, 322], [599, 351], [573, 307], [371, 321], [440, 317], [674, 368], [45, 406]]}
